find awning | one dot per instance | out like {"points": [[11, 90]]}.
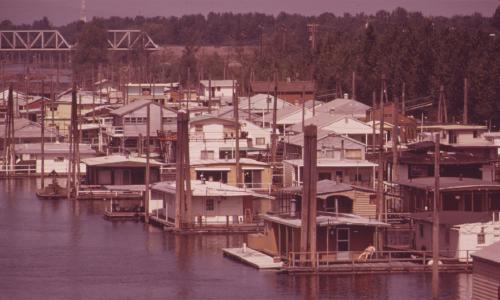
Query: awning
{"points": [[242, 149], [221, 169]]}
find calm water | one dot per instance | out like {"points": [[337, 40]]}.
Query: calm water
{"points": [[66, 250]]}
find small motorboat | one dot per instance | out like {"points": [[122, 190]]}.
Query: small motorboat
{"points": [[53, 190]]}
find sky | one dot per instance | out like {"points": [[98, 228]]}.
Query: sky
{"points": [[61, 12]]}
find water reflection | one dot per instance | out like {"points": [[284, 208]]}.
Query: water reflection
{"points": [[61, 249]]}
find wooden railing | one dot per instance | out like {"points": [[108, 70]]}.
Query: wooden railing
{"points": [[17, 170], [324, 258]]}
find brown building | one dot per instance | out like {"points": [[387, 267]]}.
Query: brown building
{"points": [[407, 125], [290, 91]]}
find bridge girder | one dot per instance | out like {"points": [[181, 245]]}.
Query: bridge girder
{"points": [[52, 40]]}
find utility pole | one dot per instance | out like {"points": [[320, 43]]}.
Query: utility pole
{"points": [[435, 221], [374, 107], [9, 141], [395, 135], [42, 179], [303, 107], [147, 193], [380, 190], [442, 109], [209, 93], [309, 202], [466, 102], [274, 134], [403, 99], [237, 134], [183, 204], [354, 85]]}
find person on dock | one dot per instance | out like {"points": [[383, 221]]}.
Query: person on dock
{"points": [[367, 253]]}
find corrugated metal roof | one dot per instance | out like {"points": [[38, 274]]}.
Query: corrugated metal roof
{"points": [[209, 188], [52, 148], [491, 253], [119, 160], [139, 104], [345, 107]]}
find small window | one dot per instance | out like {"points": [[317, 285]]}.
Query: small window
{"points": [[198, 128], [206, 154], [209, 205], [218, 89], [260, 141], [481, 237], [373, 199], [475, 134], [58, 159]]}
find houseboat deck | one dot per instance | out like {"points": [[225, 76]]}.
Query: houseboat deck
{"points": [[252, 257], [122, 215]]}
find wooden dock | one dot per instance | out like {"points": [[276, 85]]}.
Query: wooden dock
{"points": [[252, 257], [123, 215], [205, 229]]}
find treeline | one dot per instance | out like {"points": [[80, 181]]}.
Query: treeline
{"points": [[420, 52]]}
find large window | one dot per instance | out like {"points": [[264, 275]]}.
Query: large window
{"points": [[260, 141]]}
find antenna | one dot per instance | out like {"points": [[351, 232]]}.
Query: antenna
{"points": [[83, 16]]}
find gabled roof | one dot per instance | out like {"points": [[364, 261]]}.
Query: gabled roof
{"points": [[135, 105], [490, 253], [24, 128], [204, 118], [260, 102], [298, 140], [283, 113], [324, 187], [344, 106]]}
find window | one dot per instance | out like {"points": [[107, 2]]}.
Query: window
{"points": [[198, 128], [353, 153], [481, 238], [58, 159], [452, 138], [218, 89], [146, 91], [260, 141], [475, 134], [373, 199], [207, 154], [209, 205]]}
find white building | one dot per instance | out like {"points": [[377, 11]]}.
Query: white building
{"points": [[212, 202], [217, 88], [461, 233]]}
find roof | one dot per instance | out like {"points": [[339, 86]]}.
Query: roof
{"points": [[211, 117], [454, 127], [119, 161], [325, 219], [283, 86], [331, 162], [224, 83], [344, 106], [135, 105], [453, 217], [52, 148], [147, 84], [449, 183], [24, 128], [260, 102], [209, 188], [282, 113], [324, 187], [490, 253], [245, 161], [335, 140]]}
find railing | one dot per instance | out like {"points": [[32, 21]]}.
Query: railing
{"points": [[15, 170], [116, 130], [328, 258]]}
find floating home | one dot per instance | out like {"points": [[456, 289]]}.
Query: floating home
{"points": [[213, 203], [461, 233], [120, 170], [341, 237]]}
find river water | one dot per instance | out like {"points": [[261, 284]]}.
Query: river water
{"points": [[52, 249]]}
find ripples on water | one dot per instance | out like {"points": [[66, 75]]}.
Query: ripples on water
{"points": [[66, 250]]}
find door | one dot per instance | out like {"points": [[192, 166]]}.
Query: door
{"points": [[343, 243]]}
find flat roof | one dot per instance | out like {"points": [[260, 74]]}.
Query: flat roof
{"points": [[449, 183], [325, 220], [52, 148], [331, 162], [119, 161], [209, 188], [245, 161], [455, 127]]}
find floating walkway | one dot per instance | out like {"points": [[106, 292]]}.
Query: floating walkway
{"points": [[253, 258]]}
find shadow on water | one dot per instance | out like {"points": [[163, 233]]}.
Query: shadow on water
{"points": [[60, 249]]}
